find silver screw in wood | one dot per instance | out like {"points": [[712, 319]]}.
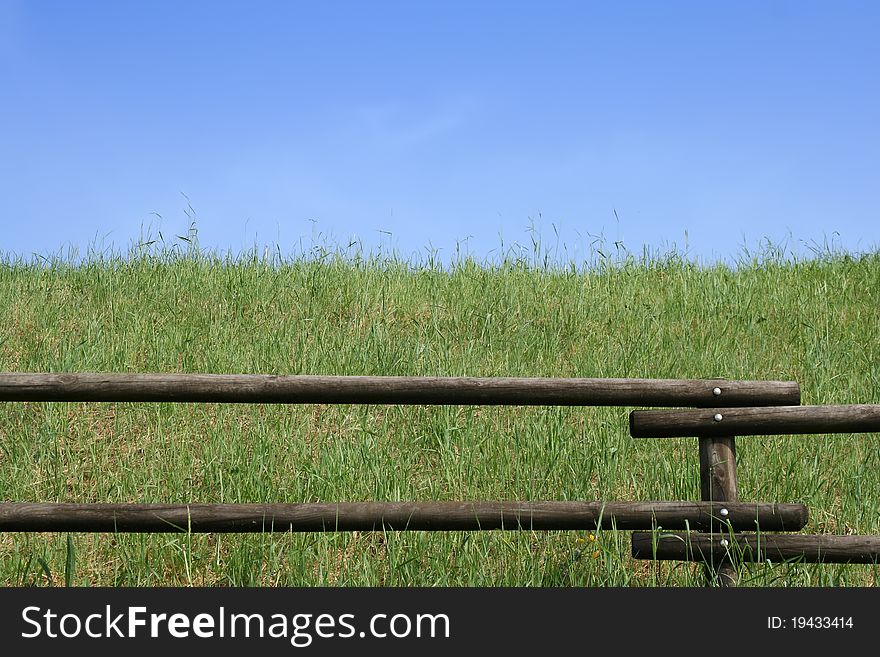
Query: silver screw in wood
{"points": [[716, 391], [718, 417]]}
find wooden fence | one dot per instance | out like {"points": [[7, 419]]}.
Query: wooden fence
{"points": [[725, 408], [722, 547]]}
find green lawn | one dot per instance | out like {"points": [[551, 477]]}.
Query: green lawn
{"points": [[814, 321]]}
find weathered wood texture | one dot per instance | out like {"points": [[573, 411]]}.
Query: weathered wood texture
{"points": [[718, 469], [270, 389], [718, 484], [368, 516], [853, 418], [808, 548]]}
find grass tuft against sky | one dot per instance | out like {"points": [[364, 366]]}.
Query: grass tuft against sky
{"points": [[166, 307]]}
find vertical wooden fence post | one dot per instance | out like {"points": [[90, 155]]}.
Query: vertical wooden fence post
{"points": [[718, 484]]}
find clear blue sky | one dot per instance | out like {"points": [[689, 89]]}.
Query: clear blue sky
{"points": [[416, 124]]}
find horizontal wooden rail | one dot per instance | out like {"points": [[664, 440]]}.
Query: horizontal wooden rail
{"points": [[854, 418], [811, 548], [370, 516], [271, 389]]}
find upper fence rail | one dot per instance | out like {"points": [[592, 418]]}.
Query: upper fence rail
{"points": [[272, 389]]}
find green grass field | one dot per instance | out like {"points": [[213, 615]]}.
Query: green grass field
{"points": [[815, 321]]}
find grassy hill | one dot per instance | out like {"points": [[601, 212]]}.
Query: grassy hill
{"points": [[814, 321]]}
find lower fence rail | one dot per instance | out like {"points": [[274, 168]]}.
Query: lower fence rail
{"points": [[717, 548], [413, 516]]}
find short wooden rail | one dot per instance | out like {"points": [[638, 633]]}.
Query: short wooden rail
{"points": [[717, 426], [854, 418], [816, 548]]}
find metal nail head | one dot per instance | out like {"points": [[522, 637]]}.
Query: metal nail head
{"points": [[724, 512], [716, 391], [724, 542], [718, 417]]}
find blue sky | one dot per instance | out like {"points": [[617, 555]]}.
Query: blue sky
{"points": [[417, 125]]}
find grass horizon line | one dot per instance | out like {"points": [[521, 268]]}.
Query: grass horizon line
{"points": [[533, 254]]}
